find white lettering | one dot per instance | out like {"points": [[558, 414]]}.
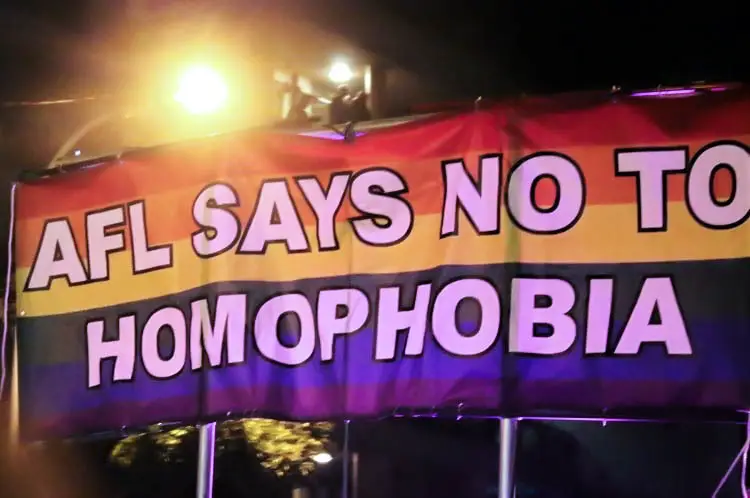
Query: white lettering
{"points": [[100, 244], [171, 321], [325, 205], [274, 200], [448, 332], [650, 168], [392, 319], [266, 329], [228, 328], [701, 202], [599, 315], [525, 314], [57, 257], [387, 218], [480, 202], [122, 349], [219, 226], [657, 294], [145, 258], [569, 184], [331, 323], [465, 319]]}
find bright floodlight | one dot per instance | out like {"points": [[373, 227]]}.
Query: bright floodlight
{"points": [[322, 458], [201, 90], [340, 72]]}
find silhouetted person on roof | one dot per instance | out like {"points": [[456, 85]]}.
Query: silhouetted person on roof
{"points": [[359, 110], [299, 102], [340, 104]]}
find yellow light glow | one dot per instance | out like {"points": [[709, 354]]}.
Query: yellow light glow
{"points": [[201, 90], [340, 72]]}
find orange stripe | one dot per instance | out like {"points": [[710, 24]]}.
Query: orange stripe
{"points": [[593, 240]]}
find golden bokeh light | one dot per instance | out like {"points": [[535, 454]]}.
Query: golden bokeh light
{"points": [[201, 90]]}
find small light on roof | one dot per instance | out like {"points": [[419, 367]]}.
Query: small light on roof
{"points": [[673, 92], [679, 92]]}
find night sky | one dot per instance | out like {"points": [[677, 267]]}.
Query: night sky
{"points": [[535, 47], [539, 46], [575, 45]]}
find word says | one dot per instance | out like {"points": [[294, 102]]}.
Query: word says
{"points": [[344, 311], [385, 218]]}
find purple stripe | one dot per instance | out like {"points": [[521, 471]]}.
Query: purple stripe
{"points": [[369, 400], [107, 418], [50, 389]]}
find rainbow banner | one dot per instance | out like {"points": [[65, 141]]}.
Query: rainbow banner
{"points": [[564, 255]]}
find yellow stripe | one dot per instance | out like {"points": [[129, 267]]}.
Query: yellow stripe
{"points": [[605, 234]]}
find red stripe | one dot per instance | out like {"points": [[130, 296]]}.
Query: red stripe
{"points": [[237, 157]]}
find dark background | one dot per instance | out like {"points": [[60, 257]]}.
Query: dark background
{"points": [[536, 46]]}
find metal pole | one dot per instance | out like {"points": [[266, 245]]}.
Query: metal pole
{"points": [[10, 333], [345, 462], [207, 445], [15, 407], [355, 475], [506, 477], [300, 493], [207, 435]]}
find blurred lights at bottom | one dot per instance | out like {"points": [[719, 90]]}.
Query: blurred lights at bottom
{"points": [[322, 458], [201, 90]]}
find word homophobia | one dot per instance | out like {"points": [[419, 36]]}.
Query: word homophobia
{"points": [[221, 337]]}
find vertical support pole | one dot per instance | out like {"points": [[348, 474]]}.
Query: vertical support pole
{"points": [[10, 332], [506, 477], [368, 79], [207, 432], [206, 448], [15, 407], [300, 493], [345, 463], [355, 475], [375, 86], [514, 251]]}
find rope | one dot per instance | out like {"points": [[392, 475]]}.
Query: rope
{"points": [[741, 457], [6, 298], [40, 103]]}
